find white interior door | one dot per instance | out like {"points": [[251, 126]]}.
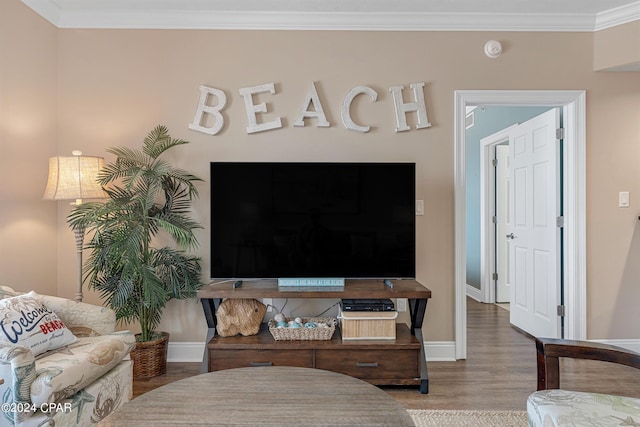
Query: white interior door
{"points": [[534, 205], [503, 289]]}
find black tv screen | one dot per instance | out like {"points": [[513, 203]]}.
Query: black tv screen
{"points": [[312, 220]]}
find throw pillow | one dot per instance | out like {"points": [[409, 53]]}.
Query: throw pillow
{"points": [[25, 320], [7, 292]]}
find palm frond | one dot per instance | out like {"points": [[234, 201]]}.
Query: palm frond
{"points": [[179, 272], [158, 141], [180, 231], [129, 157]]}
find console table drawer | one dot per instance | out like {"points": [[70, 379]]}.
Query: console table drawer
{"points": [[370, 363], [229, 359]]}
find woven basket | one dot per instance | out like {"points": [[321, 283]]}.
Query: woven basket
{"points": [[150, 357], [299, 334]]}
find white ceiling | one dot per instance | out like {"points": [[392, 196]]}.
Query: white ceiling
{"points": [[397, 15]]}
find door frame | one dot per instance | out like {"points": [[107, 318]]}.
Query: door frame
{"points": [[487, 199], [573, 104]]}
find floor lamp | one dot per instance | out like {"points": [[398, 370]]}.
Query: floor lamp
{"points": [[75, 178]]}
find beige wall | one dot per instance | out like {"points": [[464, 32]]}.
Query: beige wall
{"points": [[115, 85], [28, 120]]}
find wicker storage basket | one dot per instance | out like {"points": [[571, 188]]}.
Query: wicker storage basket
{"points": [[299, 334], [150, 357]]}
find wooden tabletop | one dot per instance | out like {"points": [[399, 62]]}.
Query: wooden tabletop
{"points": [[352, 289], [264, 396]]}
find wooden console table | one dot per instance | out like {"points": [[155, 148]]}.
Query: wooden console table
{"points": [[380, 362]]}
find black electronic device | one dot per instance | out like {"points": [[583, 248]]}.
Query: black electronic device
{"points": [[367, 305], [272, 220]]}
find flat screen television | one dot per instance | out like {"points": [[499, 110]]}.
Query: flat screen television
{"points": [[312, 220]]}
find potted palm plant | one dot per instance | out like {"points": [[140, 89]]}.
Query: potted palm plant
{"points": [[146, 196]]}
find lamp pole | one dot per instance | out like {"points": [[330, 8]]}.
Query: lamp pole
{"points": [[78, 232]]}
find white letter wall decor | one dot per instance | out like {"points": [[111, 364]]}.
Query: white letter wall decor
{"points": [[346, 107], [247, 93], [402, 109], [312, 98], [214, 110], [210, 119]]}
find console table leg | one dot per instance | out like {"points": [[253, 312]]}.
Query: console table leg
{"points": [[204, 367], [417, 308], [424, 373], [209, 305]]}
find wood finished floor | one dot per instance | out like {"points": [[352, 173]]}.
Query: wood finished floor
{"points": [[499, 372]]}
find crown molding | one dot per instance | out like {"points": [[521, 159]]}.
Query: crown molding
{"points": [[161, 15], [618, 16], [399, 21], [48, 10]]}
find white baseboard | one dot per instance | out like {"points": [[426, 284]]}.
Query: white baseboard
{"points": [[436, 351], [440, 351], [185, 351], [474, 293]]}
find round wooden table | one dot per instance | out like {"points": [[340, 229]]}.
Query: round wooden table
{"points": [[264, 396]]}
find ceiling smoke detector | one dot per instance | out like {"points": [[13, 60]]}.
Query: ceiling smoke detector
{"points": [[493, 49]]}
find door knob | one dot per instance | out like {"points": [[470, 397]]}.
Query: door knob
{"points": [[511, 236]]}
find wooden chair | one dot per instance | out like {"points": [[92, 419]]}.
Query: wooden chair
{"points": [[551, 406]]}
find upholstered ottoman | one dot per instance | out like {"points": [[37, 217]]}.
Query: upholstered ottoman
{"points": [[573, 408]]}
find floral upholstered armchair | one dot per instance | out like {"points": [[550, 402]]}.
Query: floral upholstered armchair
{"points": [[550, 406], [61, 362]]}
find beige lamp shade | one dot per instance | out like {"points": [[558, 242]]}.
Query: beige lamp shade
{"points": [[74, 177]]}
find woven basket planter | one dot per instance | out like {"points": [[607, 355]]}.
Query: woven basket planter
{"points": [[150, 357]]}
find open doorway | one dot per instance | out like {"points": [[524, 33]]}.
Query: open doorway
{"points": [[487, 136], [572, 104], [521, 243]]}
